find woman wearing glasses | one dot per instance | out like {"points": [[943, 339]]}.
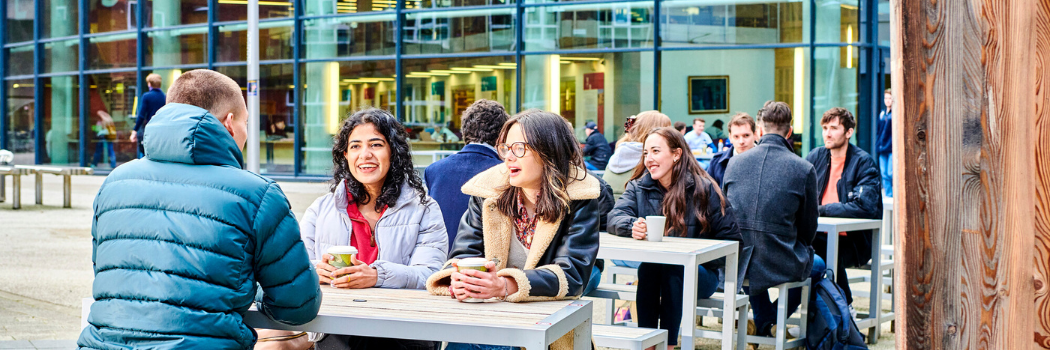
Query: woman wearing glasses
{"points": [[534, 218]]}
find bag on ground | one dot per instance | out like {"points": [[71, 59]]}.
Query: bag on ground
{"points": [[831, 326]]}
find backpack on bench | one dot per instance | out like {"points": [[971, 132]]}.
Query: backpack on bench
{"points": [[831, 326]]}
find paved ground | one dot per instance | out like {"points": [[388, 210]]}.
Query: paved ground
{"points": [[45, 263]]}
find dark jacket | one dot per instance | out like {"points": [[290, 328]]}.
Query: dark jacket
{"points": [[884, 135], [598, 149], [644, 196], [774, 193], [717, 167], [860, 196], [562, 255], [183, 239], [152, 101], [445, 177]]}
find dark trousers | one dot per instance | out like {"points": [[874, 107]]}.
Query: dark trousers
{"points": [[347, 342], [660, 296], [765, 310]]}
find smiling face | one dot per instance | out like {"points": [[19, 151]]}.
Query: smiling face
{"points": [[659, 158], [368, 155], [835, 135], [742, 137], [526, 168], [698, 126]]}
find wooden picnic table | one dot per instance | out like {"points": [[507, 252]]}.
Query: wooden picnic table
{"points": [[689, 253], [415, 314], [832, 226]]}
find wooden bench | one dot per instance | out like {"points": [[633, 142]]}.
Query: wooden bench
{"points": [[65, 172], [621, 337], [16, 174]]}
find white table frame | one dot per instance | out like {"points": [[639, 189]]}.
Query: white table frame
{"points": [[832, 226], [576, 315], [707, 250]]}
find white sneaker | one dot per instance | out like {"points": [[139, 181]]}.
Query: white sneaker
{"points": [[853, 312], [794, 332]]}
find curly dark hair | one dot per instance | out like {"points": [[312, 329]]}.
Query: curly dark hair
{"points": [[482, 122], [401, 168]]}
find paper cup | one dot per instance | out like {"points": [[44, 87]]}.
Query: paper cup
{"points": [[654, 228], [342, 256], [472, 264]]}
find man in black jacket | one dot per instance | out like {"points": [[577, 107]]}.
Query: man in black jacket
{"points": [[597, 148], [774, 194], [849, 185]]}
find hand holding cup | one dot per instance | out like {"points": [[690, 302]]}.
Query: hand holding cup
{"points": [[638, 231]]}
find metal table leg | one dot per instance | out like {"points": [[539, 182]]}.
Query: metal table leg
{"points": [[3, 189], [875, 307], [39, 188], [689, 287], [67, 189], [16, 191]]}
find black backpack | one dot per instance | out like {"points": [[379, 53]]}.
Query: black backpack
{"points": [[831, 326]]}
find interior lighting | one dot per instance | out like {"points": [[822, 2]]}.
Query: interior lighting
{"points": [[555, 84]]}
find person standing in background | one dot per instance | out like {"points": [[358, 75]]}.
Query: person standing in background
{"points": [[152, 101], [884, 144]]}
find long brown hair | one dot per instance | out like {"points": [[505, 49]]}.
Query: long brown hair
{"points": [[550, 139], [674, 203]]}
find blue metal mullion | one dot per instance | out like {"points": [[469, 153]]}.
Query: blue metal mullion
{"points": [[140, 61], [3, 83], [38, 86], [874, 71], [657, 57], [212, 32], [399, 67], [83, 82], [519, 59], [297, 156], [812, 70]]}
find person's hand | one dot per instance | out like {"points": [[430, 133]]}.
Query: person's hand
{"points": [[479, 285], [639, 229], [134, 136], [324, 269], [359, 276]]}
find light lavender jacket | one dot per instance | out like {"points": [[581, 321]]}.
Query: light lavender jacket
{"points": [[411, 236]]}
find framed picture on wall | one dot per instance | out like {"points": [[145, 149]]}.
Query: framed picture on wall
{"points": [[709, 94]]}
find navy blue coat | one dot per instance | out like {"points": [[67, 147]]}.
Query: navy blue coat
{"points": [[860, 197], [717, 168], [151, 102], [183, 239], [445, 179]]}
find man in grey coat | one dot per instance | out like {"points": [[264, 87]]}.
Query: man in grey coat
{"points": [[774, 192]]}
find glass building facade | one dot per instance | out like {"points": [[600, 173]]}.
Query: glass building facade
{"points": [[68, 64]]}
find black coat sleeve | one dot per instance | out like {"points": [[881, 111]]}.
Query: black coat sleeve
{"points": [[624, 212], [575, 253], [864, 199], [721, 221], [470, 240]]}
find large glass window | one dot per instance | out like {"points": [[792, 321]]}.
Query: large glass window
{"points": [[439, 90], [61, 118], [276, 112], [427, 4], [237, 10], [459, 31], [716, 84], [368, 35], [113, 51], [167, 13], [275, 41], [60, 18], [111, 16], [19, 21], [838, 21], [177, 46], [112, 98], [20, 60], [589, 26], [884, 22], [330, 91], [19, 115], [834, 85], [603, 88], [61, 56], [687, 23]]}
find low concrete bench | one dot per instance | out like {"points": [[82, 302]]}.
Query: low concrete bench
{"points": [[16, 174], [621, 337], [39, 170]]}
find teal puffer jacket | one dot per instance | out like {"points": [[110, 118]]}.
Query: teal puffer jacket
{"points": [[181, 240]]}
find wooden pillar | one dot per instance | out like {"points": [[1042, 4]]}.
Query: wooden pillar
{"points": [[971, 81]]}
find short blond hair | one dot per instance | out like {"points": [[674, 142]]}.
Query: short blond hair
{"points": [[153, 80]]}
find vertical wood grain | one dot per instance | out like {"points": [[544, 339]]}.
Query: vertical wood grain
{"points": [[1041, 112]]}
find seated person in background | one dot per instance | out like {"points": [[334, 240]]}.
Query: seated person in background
{"points": [[670, 183], [849, 184], [680, 126], [482, 122], [378, 205], [536, 213], [596, 148], [742, 135], [698, 139], [715, 131], [445, 134], [628, 152]]}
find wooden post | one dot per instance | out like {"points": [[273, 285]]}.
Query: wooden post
{"points": [[971, 81]]}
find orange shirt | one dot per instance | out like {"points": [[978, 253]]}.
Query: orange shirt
{"points": [[831, 192]]}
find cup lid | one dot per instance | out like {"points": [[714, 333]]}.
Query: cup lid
{"points": [[472, 262], [342, 249]]}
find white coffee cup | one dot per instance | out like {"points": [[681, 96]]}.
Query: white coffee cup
{"points": [[654, 228]]}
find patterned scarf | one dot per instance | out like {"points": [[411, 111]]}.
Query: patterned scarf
{"points": [[526, 226]]}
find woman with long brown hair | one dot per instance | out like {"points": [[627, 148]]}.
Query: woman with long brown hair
{"points": [[669, 182]]}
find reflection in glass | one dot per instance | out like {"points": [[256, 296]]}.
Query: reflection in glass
{"points": [[275, 41], [177, 46], [167, 13], [603, 88], [60, 18], [20, 60], [697, 23], [111, 16], [19, 21], [19, 115], [589, 26], [112, 98], [439, 90], [835, 85], [61, 120], [276, 111], [237, 10], [112, 51], [428, 4], [369, 35], [61, 56], [459, 31], [330, 92], [837, 21]]}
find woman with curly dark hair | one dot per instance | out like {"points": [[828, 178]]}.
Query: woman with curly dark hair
{"points": [[378, 205]]}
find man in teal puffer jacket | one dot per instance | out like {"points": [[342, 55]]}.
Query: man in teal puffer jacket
{"points": [[184, 239]]}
